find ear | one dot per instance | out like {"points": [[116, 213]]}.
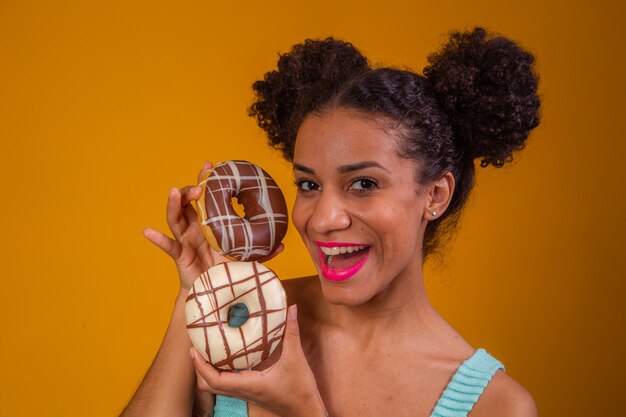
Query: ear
{"points": [[439, 195]]}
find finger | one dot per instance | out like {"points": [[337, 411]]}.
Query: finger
{"points": [[165, 243], [201, 382], [222, 382], [206, 168], [174, 216], [203, 386], [292, 321], [291, 338], [189, 194], [204, 370]]}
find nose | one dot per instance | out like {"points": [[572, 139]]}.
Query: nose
{"points": [[329, 213]]}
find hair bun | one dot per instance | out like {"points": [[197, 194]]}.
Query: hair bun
{"points": [[488, 88], [305, 77]]}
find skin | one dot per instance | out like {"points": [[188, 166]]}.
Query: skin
{"points": [[169, 385], [347, 339]]}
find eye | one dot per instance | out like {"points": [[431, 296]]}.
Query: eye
{"points": [[364, 184], [306, 185]]}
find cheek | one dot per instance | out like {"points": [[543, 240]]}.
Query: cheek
{"points": [[399, 221], [299, 216]]}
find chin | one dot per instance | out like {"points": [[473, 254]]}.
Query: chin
{"points": [[342, 295]]}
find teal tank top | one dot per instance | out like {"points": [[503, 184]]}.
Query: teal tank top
{"points": [[463, 391], [230, 407]]}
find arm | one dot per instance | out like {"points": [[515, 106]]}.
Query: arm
{"points": [[168, 387], [203, 404]]}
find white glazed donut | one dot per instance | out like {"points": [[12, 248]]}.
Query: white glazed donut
{"points": [[209, 303]]}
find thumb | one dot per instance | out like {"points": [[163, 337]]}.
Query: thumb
{"points": [[291, 338], [291, 355]]}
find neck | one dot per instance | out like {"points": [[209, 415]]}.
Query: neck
{"points": [[402, 310]]}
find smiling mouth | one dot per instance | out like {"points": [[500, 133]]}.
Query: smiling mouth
{"points": [[341, 261], [341, 257]]}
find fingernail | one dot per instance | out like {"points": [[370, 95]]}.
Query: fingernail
{"points": [[192, 354], [293, 312]]}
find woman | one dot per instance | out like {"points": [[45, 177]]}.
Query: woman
{"points": [[383, 161]]}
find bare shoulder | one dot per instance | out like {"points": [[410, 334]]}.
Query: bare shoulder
{"points": [[505, 397]]}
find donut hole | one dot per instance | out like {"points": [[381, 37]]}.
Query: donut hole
{"points": [[238, 314], [238, 207]]}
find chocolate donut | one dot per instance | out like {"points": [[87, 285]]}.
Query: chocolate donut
{"points": [[221, 292], [264, 223]]}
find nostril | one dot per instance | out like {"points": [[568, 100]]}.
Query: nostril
{"points": [[329, 212]]}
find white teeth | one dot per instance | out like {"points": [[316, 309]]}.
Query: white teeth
{"points": [[336, 250]]}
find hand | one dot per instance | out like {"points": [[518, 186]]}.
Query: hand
{"points": [[189, 248], [286, 388]]}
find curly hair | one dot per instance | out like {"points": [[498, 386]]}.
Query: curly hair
{"points": [[476, 99]]}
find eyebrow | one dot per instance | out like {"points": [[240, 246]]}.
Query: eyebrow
{"points": [[300, 167], [344, 169]]}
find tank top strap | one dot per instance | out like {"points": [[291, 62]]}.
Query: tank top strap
{"points": [[229, 407], [467, 385]]}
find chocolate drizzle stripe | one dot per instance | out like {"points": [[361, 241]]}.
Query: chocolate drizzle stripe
{"points": [[263, 309], [240, 281], [235, 184], [217, 307], [212, 300], [241, 177], [221, 209], [215, 311], [266, 203], [229, 361], [245, 346], [230, 283], [206, 336], [203, 323]]}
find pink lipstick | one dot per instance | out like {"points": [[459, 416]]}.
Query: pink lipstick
{"points": [[339, 260]]}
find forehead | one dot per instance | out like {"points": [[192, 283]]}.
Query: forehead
{"points": [[344, 136]]}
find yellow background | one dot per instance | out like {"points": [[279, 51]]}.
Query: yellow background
{"points": [[106, 105]]}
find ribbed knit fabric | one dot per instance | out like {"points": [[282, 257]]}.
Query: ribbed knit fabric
{"points": [[230, 407], [464, 389], [467, 385]]}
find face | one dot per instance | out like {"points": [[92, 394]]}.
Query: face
{"points": [[359, 208]]}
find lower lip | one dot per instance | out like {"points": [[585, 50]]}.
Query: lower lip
{"points": [[340, 274]]}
